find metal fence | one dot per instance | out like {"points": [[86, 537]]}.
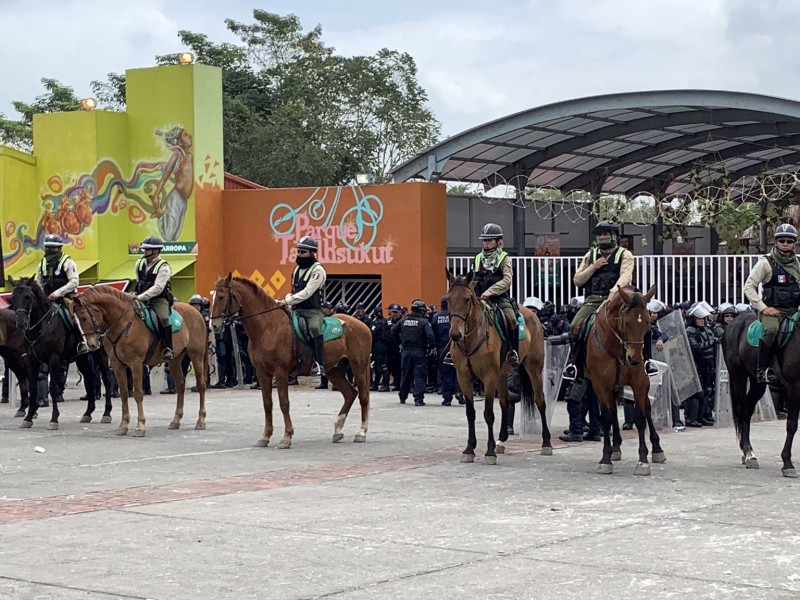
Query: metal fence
{"points": [[714, 279]]}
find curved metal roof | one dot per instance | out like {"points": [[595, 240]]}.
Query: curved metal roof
{"points": [[621, 143]]}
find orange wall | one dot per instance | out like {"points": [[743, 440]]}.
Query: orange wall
{"points": [[396, 231]]}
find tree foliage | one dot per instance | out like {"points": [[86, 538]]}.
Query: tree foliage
{"points": [[295, 113]]}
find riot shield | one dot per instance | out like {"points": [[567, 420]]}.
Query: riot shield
{"points": [[678, 355], [555, 359], [662, 395], [723, 415]]}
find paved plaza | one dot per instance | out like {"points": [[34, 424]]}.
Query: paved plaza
{"points": [[197, 515]]}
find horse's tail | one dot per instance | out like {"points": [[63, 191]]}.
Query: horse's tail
{"points": [[526, 393], [731, 344]]}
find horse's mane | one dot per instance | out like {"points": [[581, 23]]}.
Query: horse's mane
{"points": [[37, 290], [257, 290], [102, 290]]}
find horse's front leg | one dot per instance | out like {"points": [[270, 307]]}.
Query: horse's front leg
{"points": [[607, 413], [791, 428], [502, 396], [86, 368], [22, 378], [265, 383], [282, 379], [121, 374], [57, 385], [465, 383], [33, 393], [490, 458], [137, 372]]}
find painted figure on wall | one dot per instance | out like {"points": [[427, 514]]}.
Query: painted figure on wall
{"points": [[172, 210]]}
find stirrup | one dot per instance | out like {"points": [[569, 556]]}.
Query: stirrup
{"points": [[512, 358], [650, 368], [317, 369], [447, 359], [83, 348], [570, 372], [766, 375], [167, 355]]}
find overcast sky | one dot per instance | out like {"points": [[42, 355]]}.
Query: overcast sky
{"points": [[478, 60]]}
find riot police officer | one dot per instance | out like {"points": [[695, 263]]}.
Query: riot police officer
{"points": [[779, 274], [701, 341], [380, 351], [393, 346], [447, 373], [416, 337]]}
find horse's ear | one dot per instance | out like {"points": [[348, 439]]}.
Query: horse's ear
{"points": [[650, 293], [228, 278], [449, 276], [624, 294], [469, 276]]}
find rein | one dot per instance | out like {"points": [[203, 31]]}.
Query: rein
{"points": [[49, 315], [483, 322], [228, 316]]}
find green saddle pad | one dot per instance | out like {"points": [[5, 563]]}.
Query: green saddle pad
{"points": [[175, 320], [64, 314], [498, 314], [331, 328], [756, 331]]}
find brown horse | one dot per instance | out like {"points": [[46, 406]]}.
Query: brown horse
{"points": [[269, 332], [475, 348], [614, 359], [112, 316]]}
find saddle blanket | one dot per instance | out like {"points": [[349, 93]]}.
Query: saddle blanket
{"points": [[331, 328], [175, 320], [756, 331]]}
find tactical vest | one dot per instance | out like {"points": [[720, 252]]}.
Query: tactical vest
{"points": [[606, 277], [412, 332], [702, 342], [146, 277], [51, 281], [782, 290], [300, 279], [486, 278]]}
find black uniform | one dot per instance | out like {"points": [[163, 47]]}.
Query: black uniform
{"points": [[416, 336], [447, 373], [702, 343], [380, 354]]}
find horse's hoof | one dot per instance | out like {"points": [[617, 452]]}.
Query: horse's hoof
{"points": [[467, 458], [642, 469], [360, 438], [52, 426], [19, 413], [106, 419], [35, 416], [26, 425], [200, 425], [605, 469], [616, 455], [751, 463], [659, 457], [337, 437], [138, 432], [285, 445], [789, 473], [500, 448], [547, 451], [262, 443], [86, 419], [174, 425], [490, 460], [122, 431]]}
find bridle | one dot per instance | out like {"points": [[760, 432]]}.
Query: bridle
{"points": [[482, 323], [619, 333], [49, 314], [228, 316]]}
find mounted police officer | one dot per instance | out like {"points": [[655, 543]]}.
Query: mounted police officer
{"points": [[493, 277], [57, 275], [603, 270], [779, 274], [308, 279], [154, 288], [416, 337]]}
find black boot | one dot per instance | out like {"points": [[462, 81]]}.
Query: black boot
{"points": [[647, 350], [574, 397], [764, 373], [512, 358], [571, 371], [166, 338], [319, 355]]}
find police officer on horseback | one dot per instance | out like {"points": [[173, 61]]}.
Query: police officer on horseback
{"points": [[779, 275], [308, 279], [603, 270], [57, 275], [154, 289], [492, 281]]}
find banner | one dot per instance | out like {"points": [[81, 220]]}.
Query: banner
{"points": [[548, 244]]}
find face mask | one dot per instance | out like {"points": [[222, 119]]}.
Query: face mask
{"points": [[608, 244], [305, 261]]}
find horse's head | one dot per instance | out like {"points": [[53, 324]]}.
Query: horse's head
{"points": [[91, 321], [225, 305], [632, 320], [461, 301], [23, 300]]}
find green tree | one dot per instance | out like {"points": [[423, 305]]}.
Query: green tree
{"points": [[57, 98]]}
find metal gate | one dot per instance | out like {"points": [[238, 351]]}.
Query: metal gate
{"points": [[350, 291]]}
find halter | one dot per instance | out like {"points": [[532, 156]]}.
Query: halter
{"points": [[49, 314], [468, 332], [620, 360]]}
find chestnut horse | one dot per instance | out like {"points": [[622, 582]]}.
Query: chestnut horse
{"points": [[273, 349], [475, 348], [614, 359], [741, 359], [108, 314]]}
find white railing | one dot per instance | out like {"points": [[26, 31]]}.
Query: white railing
{"points": [[714, 279]]}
